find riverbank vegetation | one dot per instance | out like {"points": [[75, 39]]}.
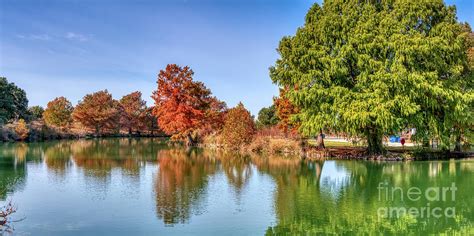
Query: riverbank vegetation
{"points": [[362, 71], [5, 214]]}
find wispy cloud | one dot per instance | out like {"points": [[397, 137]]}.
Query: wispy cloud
{"points": [[77, 37], [41, 37], [72, 36]]}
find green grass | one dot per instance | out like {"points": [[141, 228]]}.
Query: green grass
{"points": [[333, 144], [312, 142]]}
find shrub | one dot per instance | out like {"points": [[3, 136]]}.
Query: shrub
{"points": [[39, 131], [21, 129], [213, 140], [7, 133], [259, 144], [239, 127], [281, 145]]}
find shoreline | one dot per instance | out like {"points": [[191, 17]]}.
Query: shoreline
{"points": [[308, 153], [69, 136], [358, 153]]}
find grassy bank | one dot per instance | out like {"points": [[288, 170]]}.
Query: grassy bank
{"points": [[295, 147], [259, 144], [36, 131]]}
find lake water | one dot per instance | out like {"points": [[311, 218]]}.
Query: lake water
{"points": [[143, 187]]}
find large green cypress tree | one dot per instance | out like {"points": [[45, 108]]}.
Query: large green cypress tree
{"points": [[371, 68], [13, 102]]}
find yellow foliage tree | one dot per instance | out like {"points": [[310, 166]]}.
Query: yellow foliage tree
{"points": [[21, 129]]}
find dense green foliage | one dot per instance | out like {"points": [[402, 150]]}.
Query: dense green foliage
{"points": [[372, 69], [35, 113], [267, 117], [13, 101], [464, 126]]}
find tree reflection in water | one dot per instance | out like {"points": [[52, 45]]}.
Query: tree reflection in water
{"points": [[310, 197], [180, 184], [58, 157], [12, 168], [238, 170], [306, 204], [97, 159]]}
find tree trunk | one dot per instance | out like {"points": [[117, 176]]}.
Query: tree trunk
{"points": [[320, 140], [97, 130], [374, 141], [457, 145], [426, 141], [130, 131], [189, 141]]}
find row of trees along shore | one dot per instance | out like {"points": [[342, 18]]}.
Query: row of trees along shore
{"points": [[362, 68], [184, 109], [96, 113]]}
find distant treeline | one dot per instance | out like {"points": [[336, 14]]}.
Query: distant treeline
{"points": [[97, 113]]}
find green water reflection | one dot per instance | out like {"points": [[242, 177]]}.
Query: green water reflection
{"points": [[142, 186]]}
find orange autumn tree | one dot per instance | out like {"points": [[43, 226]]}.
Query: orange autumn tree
{"points": [[214, 117], [58, 112], [133, 111], [285, 110], [184, 106], [21, 129], [239, 127], [148, 122], [97, 111]]}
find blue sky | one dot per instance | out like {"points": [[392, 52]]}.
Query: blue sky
{"points": [[71, 48]]}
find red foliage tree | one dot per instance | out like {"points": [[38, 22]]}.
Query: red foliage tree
{"points": [[98, 111], [182, 105], [285, 110], [133, 111], [149, 123], [214, 116]]}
